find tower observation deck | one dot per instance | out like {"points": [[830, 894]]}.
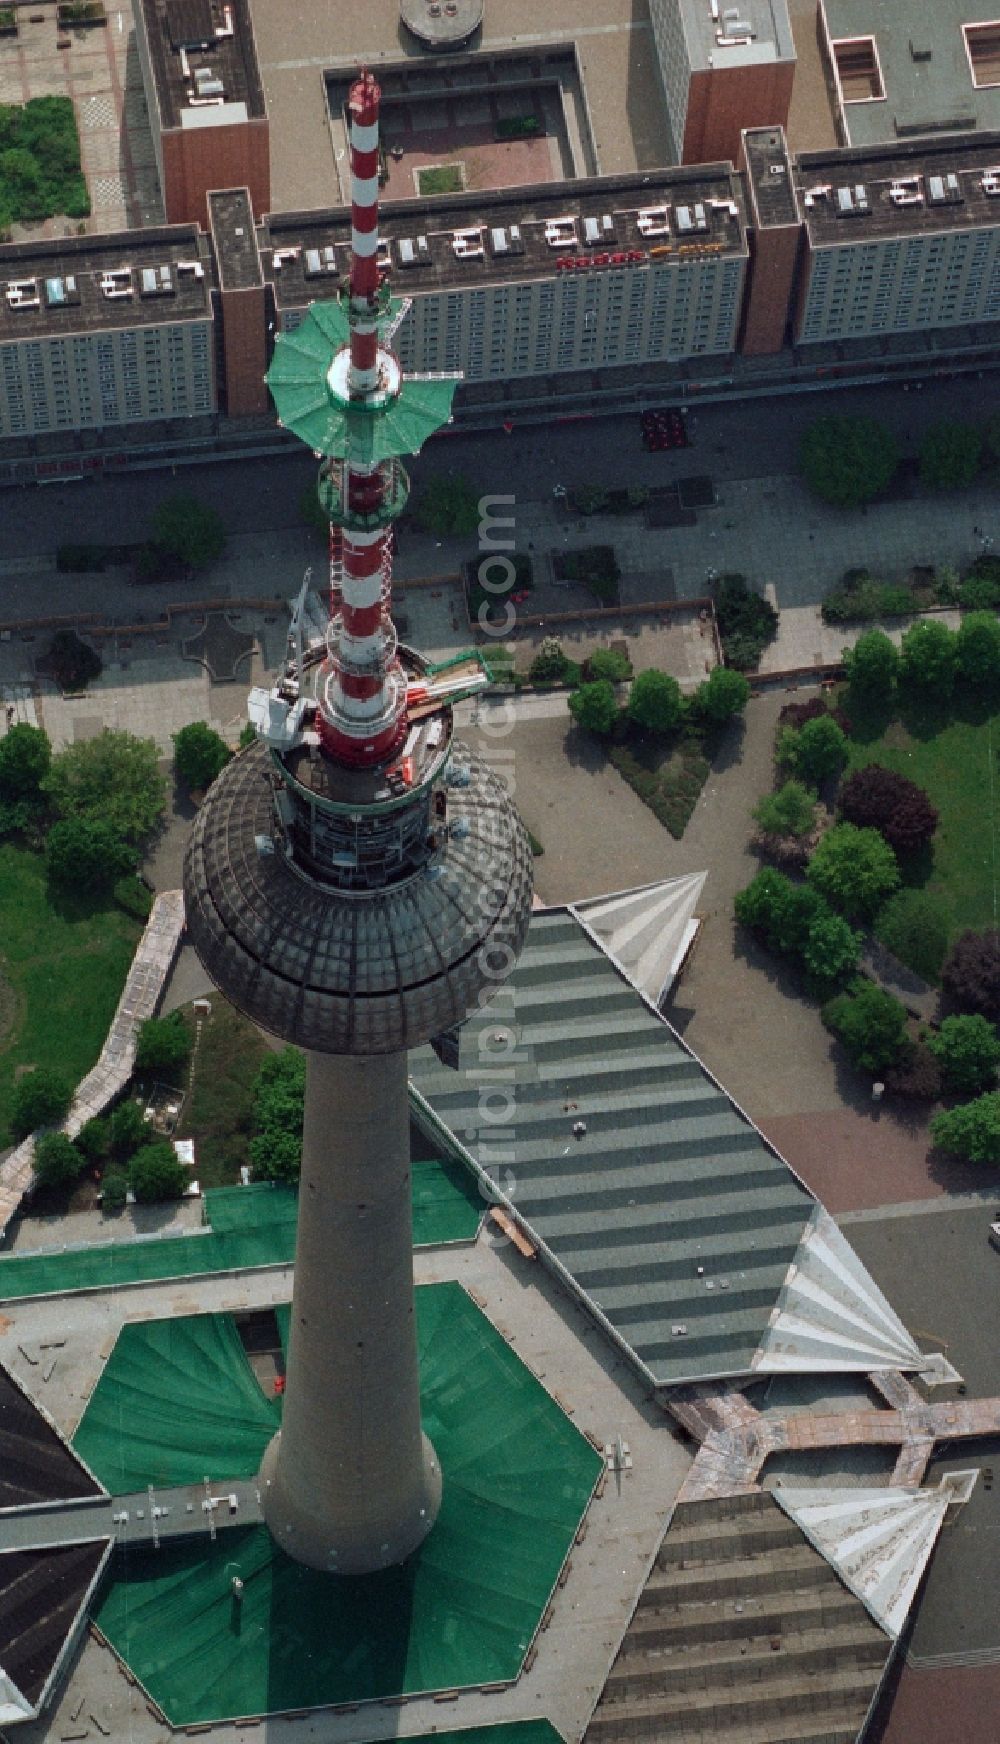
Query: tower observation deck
{"points": [[357, 882]]}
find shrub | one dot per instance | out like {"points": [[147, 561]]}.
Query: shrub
{"points": [[798, 714], [84, 853], [114, 1191], [248, 735], [789, 812], [950, 455], [200, 753], [57, 1160], [135, 897], [41, 1098], [610, 664], [155, 1173], [448, 507], [913, 925], [655, 701], [928, 660], [872, 664], [977, 648], [550, 662], [968, 1052], [164, 1044], [794, 920], [915, 1073], [25, 755], [595, 706], [971, 975], [815, 752], [722, 694], [869, 1024], [971, 1131], [848, 461], [877, 798], [854, 869], [128, 1128], [979, 593]]}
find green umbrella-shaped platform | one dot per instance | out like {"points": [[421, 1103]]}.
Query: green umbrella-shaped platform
{"points": [[385, 428]]}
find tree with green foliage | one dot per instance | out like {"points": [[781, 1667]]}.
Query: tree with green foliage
{"points": [[914, 925], [57, 1160], [816, 752], [831, 950], [655, 702], [248, 735], [550, 663], [722, 694], [746, 621], [967, 1050], [25, 755], [971, 1131], [128, 1128], [595, 707], [848, 461], [950, 456], [448, 507], [869, 1024], [41, 1098], [200, 754], [71, 661], [855, 869], [609, 663], [164, 1044], [929, 657], [872, 665], [114, 776], [188, 530], [155, 1173], [789, 812], [114, 1191], [92, 1139], [977, 649], [278, 1106], [86, 854], [40, 175]]}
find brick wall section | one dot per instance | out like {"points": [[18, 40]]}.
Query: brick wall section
{"points": [[722, 101], [198, 159]]}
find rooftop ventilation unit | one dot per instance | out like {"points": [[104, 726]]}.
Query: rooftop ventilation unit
{"points": [[822, 191], [515, 240], [591, 231], [23, 294], [281, 255], [406, 251], [906, 191], [192, 267], [60, 291], [320, 260], [654, 221], [561, 233], [991, 182], [852, 202], [468, 244], [156, 282], [944, 190], [498, 240], [116, 283]]}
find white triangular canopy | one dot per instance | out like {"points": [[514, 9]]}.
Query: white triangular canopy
{"points": [[878, 1540], [831, 1315], [13, 1705], [646, 931]]}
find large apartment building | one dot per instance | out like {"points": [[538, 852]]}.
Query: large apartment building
{"points": [[535, 281], [726, 65], [105, 331]]}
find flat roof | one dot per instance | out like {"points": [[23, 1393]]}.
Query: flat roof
{"points": [[511, 225], [924, 67], [940, 185], [92, 283], [234, 237], [769, 176], [204, 60], [736, 33]]}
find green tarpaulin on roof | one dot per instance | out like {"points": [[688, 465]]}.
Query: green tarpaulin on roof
{"points": [[462, 1610], [249, 1227]]}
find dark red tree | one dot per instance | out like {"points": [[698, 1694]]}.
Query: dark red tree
{"points": [[796, 714], [879, 799], [971, 975]]}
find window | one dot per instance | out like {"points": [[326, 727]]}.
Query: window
{"points": [[982, 47]]}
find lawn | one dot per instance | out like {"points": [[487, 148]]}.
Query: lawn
{"points": [[667, 774], [218, 1112], [954, 758], [64, 968], [441, 179]]}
